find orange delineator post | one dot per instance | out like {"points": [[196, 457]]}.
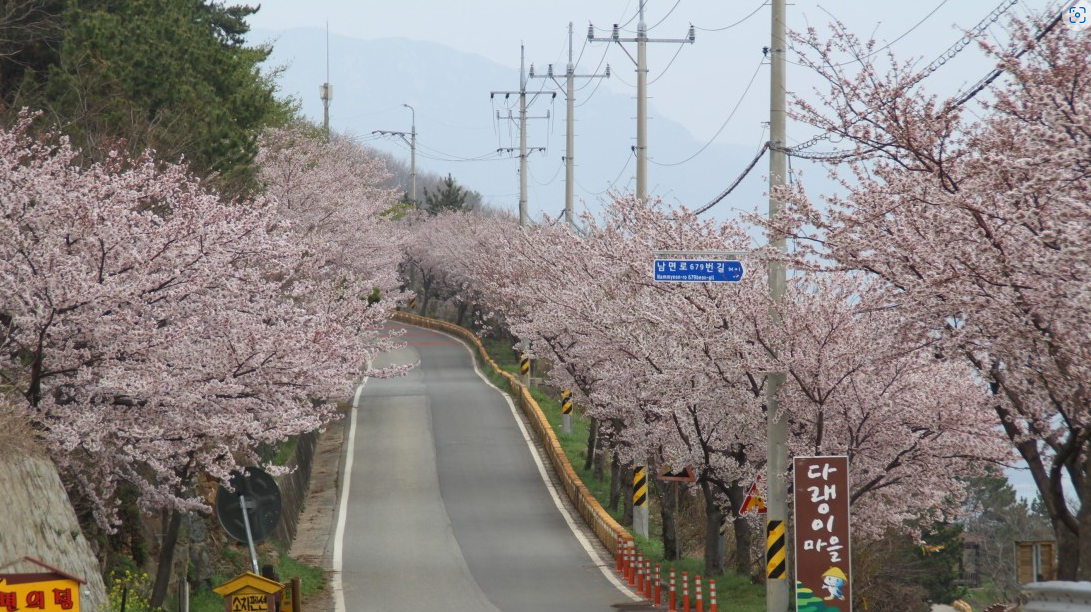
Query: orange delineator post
{"points": [[629, 563], [685, 592], [670, 596], [631, 573], [712, 596], [640, 573], [697, 588], [646, 591], [657, 584], [620, 550]]}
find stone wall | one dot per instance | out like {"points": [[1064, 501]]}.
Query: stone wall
{"points": [[37, 520], [294, 486]]}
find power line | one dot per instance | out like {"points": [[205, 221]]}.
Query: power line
{"points": [[668, 66], [676, 3], [968, 37], [613, 183], [722, 125], [891, 43], [992, 76], [550, 181], [728, 27], [732, 186]]}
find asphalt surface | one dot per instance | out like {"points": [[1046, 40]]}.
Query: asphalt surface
{"points": [[447, 508]]}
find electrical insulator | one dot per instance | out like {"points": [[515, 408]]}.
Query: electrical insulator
{"points": [[607, 70], [551, 70], [615, 33], [590, 31], [692, 33], [532, 71]]}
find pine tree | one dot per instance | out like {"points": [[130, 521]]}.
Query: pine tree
{"points": [[450, 197]]}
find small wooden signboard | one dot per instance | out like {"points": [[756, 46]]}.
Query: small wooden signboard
{"points": [[250, 592], [52, 591]]}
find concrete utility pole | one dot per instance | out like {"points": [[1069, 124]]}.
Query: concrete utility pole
{"points": [[523, 149], [410, 138], [570, 128], [412, 156], [641, 62], [325, 91], [776, 585]]}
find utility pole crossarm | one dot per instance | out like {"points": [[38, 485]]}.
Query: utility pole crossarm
{"points": [[641, 62], [522, 93], [570, 147]]}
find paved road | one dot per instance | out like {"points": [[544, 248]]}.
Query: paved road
{"points": [[447, 509]]}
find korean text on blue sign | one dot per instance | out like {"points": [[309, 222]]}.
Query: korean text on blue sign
{"points": [[697, 270]]}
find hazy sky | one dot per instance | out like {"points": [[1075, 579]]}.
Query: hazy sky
{"points": [[696, 85]]}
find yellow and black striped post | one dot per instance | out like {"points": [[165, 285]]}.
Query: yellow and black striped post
{"points": [[566, 411], [413, 302], [640, 500], [775, 553], [524, 368]]}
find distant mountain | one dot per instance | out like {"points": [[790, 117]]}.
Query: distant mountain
{"points": [[457, 121]]}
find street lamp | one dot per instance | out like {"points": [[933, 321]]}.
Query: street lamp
{"points": [[412, 156]]}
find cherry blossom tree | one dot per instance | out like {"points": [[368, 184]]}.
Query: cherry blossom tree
{"points": [[153, 332], [980, 228], [675, 372]]}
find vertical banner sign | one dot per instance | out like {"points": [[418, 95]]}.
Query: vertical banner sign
{"points": [[823, 568]]}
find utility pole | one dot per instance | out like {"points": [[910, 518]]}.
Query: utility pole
{"points": [[410, 138], [641, 62], [325, 91], [413, 157], [569, 152], [776, 585], [523, 149]]}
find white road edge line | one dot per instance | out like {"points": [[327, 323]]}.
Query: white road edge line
{"points": [[595, 558], [339, 535]]}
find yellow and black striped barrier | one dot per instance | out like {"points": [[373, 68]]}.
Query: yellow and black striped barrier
{"points": [[775, 554], [413, 303], [566, 402], [640, 486], [524, 365]]}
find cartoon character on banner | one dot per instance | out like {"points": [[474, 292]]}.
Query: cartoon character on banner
{"points": [[833, 582]]}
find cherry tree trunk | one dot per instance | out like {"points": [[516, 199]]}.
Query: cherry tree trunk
{"points": [[462, 313], [615, 483], [668, 512], [166, 560], [592, 439], [600, 463], [627, 494], [743, 562], [714, 563], [1068, 551], [1084, 518]]}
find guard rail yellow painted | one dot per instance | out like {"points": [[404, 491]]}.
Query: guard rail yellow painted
{"points": [[605, 527]]}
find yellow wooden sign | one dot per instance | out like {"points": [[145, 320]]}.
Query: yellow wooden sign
{"points": [[52, 591], [250, 593], [46, 595]]}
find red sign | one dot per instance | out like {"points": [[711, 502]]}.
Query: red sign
{"points": [[685, 474], [823, 568], [753, 501]]}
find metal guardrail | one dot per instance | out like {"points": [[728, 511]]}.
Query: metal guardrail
{"points": [[1056, 596]]}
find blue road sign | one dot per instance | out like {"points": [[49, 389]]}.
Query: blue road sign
{"points": [[697, 270]]}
